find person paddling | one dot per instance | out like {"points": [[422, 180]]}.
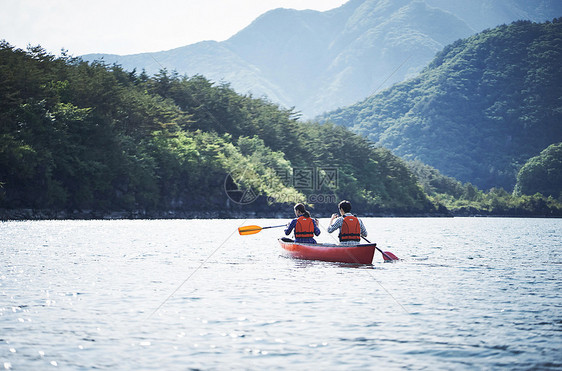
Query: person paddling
{"points": [[351, 228], [305, 227]]}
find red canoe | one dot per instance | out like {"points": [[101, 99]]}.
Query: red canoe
{"points": [[358, 254]]}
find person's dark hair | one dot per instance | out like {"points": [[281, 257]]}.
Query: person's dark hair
{"points": [[302, 209], [345, 206]]}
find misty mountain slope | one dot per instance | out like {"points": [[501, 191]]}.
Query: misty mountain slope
{"points": [[484, 14], [318, 61], [287, 46], [207, 58], [483, 106], [395, 46]]}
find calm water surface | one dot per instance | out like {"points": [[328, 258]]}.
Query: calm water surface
{"points": [[470, 293]]}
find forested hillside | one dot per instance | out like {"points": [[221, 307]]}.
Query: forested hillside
{"points": [[77, 136], [479, 111], [542, 174]]}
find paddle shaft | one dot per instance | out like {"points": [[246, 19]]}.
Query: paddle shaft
{"points": [[275, 226]]}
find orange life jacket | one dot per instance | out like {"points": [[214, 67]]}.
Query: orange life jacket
{"points": [[350, 229], [304, 227]]}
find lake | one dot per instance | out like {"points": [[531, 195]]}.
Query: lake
{"points": [[469, 293]]}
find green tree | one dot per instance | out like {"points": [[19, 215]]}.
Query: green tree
{"points": [[542, 174]]}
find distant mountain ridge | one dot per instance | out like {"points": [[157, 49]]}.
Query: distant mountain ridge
{"points": [[479, 111], [318, 61]]}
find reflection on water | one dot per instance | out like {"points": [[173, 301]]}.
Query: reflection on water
{"points": [[180, 294]]}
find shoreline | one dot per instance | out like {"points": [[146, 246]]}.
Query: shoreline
{"points": [[46, 214]]}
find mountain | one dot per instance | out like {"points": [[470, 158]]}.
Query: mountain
{"points": [[82, 140], [318, 61], [479, 111]]}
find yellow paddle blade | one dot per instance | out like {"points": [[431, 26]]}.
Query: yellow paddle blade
{"points": [[249, 229]]}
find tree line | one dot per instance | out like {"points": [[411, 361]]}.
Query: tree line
{"points": [[90, 136], [82, 136]]}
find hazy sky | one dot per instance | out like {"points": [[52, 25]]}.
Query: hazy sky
{"points": [[132, 26]]}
